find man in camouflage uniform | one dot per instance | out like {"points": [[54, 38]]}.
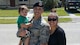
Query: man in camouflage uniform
{"points": [[40, 28]]}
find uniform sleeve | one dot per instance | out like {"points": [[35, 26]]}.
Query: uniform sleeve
{"points": [[62, 38], [44, 35]]}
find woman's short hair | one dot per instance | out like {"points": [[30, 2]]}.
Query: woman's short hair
{"points": [[53, 10], [53, 14]]}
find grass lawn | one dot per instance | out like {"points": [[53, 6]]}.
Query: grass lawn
{"points": [[13, 21], [14, 13], [60, 12], [46, 13], [63, 20], [77, 14], [7, 21], [8, 13]]}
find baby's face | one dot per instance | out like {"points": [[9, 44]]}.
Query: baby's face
{"points": [[24, 12]]}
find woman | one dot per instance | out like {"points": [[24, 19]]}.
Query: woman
{"points": [[57, 34]]}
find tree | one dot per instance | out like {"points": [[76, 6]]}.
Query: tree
{"points": [[63, 2], [49, 4]]}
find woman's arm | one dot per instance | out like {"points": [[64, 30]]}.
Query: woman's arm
{"points": [[62, 39]]}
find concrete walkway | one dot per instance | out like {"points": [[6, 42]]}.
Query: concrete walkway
{"points": [[8, 33], [72, 31], [74, 17]]}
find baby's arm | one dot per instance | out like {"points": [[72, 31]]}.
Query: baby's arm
{"points": [[26, 25]]}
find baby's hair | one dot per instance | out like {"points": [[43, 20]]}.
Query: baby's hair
{"points": [[22, 7]]}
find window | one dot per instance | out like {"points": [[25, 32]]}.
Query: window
{"points": [[23, 0], [20, 0]]}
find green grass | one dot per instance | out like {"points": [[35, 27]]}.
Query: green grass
{"points": [[13, 21], [7, 21], [61, 20], [77, 14], [9, 13], [61, 12], [46, 13], [14, 12]]}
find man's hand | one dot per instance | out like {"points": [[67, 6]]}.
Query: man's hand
{"points": [[29, 24]]}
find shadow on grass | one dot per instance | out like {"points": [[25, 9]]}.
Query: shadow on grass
{"points": [[72, 11], [8, 8]]}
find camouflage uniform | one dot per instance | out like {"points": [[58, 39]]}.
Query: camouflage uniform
{"points": [[39, 32]]}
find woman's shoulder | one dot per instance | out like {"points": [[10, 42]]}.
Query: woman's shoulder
{"points": [[60, 30]]}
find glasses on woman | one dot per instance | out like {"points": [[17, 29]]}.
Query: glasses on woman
{"points": [[52, 19]]}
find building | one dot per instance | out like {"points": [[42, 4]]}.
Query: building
{"points": [[16, 3]]}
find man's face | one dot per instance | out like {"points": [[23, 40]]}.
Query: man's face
{"points": [[38, 11]]}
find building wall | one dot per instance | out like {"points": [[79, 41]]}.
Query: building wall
{"points": [[6, 3], [2, 2], [34, 1], [29, 3]]}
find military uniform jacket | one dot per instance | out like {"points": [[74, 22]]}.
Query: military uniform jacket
{"points": [[39, 32]]}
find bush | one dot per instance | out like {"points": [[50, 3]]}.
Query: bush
{"points": [[49, 4]]}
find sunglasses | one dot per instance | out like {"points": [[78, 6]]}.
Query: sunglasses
{"points": [[52, 19]]}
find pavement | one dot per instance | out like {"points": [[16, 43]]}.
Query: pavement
{"points": [[72, 31], [74, 17], [8, 33]]}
